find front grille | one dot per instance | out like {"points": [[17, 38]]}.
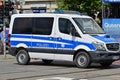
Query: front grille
{"points": [[113, 46]]}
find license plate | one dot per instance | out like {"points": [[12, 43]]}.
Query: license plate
{"points": [[115, 57]]}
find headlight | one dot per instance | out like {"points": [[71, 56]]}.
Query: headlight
{"points": [[99, 46]]}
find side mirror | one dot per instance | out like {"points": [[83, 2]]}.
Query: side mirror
{"points": [[74, 32]]}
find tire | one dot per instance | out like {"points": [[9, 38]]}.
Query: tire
{"points": [[22, 57], [47, 61], [82, 60], [106, 64]]}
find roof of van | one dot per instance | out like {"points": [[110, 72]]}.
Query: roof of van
{"points": [[49, 15]]}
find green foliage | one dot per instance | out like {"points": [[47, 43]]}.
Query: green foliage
{"points": [[89, 6]]}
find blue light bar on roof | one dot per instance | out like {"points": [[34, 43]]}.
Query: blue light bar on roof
{"points": [[66, 12]]}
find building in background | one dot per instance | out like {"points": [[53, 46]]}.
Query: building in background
{"points": [[37, 5]]}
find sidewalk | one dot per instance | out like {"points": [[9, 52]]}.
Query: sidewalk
{"points": [[7, 58]]}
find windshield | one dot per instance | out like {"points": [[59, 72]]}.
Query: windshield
{"points": [[88, 26]]}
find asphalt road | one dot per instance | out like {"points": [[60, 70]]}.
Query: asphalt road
{"points": [[58, 70]]}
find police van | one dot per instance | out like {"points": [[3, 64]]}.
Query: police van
{"points": [[67, 37]]}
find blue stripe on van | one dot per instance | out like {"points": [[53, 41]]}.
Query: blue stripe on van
{"points": [[21, 36], [67, 43], [14, 43]]}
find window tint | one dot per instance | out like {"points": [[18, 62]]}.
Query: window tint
{"points": [[43, 26], [22, 26], [65, 26]]}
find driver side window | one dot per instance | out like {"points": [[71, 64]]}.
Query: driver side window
{"points": [[66, 27]]}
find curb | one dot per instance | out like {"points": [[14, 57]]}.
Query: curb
{"points": [[7, 58], [4, 60]]}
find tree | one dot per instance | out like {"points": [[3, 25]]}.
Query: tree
{"points": [[91, 7]]}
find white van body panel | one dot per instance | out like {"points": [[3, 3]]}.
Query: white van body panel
{"points": [[82, 47], [41, 55], [22, 45]]}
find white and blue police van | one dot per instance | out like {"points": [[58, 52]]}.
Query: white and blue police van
{"points": [[67, 37]]}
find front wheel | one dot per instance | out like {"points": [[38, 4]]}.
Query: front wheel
{"points": [[22, 57], [82, 60]]}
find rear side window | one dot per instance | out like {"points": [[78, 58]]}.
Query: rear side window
{"points": [[43, 26], [40, 26], [22, 26]]}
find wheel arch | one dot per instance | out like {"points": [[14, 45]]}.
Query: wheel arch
{"points": [[20, 48], [79, 50]]}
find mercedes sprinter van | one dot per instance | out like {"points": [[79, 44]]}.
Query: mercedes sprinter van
{"points": [[70, 37]]}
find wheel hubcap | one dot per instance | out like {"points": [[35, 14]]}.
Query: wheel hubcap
{"points": [[82, 60], [21, 58]]}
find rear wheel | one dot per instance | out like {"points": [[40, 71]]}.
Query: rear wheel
{"points": [[22, 57], [82, 60], [47, 61]]}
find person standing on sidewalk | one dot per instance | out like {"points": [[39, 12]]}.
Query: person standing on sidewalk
{"points": [[1, 38]]}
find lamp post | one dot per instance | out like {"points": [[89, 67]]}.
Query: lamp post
{"points": [[4, 29]]}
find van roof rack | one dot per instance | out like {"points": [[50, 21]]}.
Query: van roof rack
{"points": [[68, 12]]}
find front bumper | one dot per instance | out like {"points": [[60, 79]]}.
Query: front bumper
{"points": [[104, 56]]}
